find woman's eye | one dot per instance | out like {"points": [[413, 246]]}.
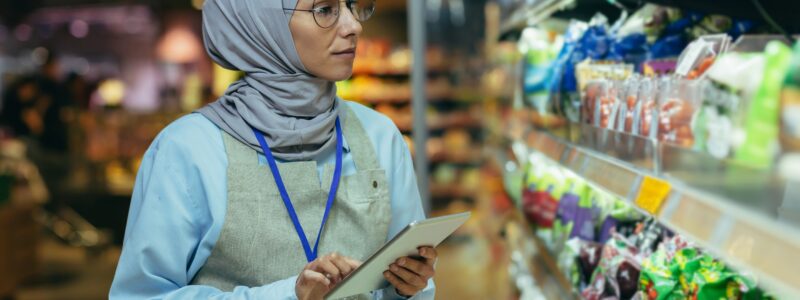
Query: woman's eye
{"points": [[323, 10]]}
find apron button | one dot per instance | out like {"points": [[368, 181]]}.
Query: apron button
{"points": [[375, 184]]}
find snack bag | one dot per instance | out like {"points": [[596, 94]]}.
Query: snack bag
{"points": [[539, 204], [658, 280], [617, 272]]}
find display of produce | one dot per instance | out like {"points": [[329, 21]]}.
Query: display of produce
{"points": [[667, 115], [611, 251]]}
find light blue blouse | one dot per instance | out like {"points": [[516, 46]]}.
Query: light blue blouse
{"points": [[179, 203]]}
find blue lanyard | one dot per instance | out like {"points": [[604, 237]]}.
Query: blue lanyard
{"points": [[337, 174]]}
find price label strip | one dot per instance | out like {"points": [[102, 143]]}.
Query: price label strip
{"points": [[652, 194]]}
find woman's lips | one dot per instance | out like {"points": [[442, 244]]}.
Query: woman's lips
{"points": [[346, 54]]}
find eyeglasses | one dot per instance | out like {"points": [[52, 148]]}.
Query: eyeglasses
{"points": [[326, 12]]}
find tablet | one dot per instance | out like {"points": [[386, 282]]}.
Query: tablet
{"points": [[369, 276]]}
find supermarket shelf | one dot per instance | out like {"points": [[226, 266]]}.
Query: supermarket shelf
{"points": [[783, 12], [531, 14], [541, 260], [450, 191], [406, 127], [467, 157], [745, 237], [398, 73]]}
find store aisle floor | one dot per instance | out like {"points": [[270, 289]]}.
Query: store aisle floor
{"points": [[68, 273], [471, 266]]}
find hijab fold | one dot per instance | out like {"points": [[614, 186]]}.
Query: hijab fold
{"points": [[277, 96]]}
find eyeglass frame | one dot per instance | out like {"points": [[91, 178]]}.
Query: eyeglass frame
{"points": [[348, 4]]}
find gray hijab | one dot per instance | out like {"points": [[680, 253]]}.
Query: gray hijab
{"points": [[295, 110]]}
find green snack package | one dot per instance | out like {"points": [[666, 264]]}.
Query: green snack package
{"points": [[761, 141], [657, 280]]}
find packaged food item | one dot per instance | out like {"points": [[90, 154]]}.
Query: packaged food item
{"points": [[576, 208], [632, 49], [647, 123], [661, 67], [761, 130], [677, 105], [630, 106], [605, 109], [564, 82], [538, 68], [790, 106], [700, 55], [617, 274], [539, 201], [712, 24], [733, 82]]}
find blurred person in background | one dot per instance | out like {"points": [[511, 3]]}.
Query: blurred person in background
{"points": [[34, 109], [209, 219]]}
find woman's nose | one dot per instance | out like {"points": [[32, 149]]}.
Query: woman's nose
{"points": [[348, 25]]}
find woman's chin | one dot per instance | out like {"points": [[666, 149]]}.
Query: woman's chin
{"points": [[340, 75]]}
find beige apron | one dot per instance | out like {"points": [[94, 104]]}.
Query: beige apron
{"points": [[258, 244]]}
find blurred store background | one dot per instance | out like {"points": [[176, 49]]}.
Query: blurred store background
{"points": [[510, 131]]}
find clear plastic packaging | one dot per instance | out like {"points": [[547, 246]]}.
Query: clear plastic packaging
{"points": [[677, 104]]}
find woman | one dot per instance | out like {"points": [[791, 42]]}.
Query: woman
{"points": [[213, 214]]}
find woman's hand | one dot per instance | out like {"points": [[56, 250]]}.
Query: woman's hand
{"points": [[322, 275], [410, 275]]}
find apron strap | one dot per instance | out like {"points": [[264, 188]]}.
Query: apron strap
{"points": [[237, 152], [360, 145]]}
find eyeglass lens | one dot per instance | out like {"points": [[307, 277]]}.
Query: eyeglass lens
{"points": [[326, 12]]}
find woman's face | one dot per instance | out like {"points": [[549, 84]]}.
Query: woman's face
{"points": [[327, 53]]}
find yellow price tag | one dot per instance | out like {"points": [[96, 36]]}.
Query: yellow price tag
{"points": [[652, 194]]}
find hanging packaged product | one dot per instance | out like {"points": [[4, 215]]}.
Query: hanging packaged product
{"points": [[672, 38], [632, 49], [592, 77], [734, 80], [601, 110], [563, 83], [538, 74], [647, 121], [760, 145], [790, 106], [789, 164], [630, 106], [700, 55], [677, 102], [740, 113]]}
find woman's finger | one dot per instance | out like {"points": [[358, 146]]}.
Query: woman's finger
{"points": [[398, 283], [345, 268], [408, 276], [312, 277], [325, 266], [353, 263], [429, 253], [420, 268]]}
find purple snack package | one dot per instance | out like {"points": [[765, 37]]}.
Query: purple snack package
{"points": [[606, 229], [568, 207], [583, 224]]}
